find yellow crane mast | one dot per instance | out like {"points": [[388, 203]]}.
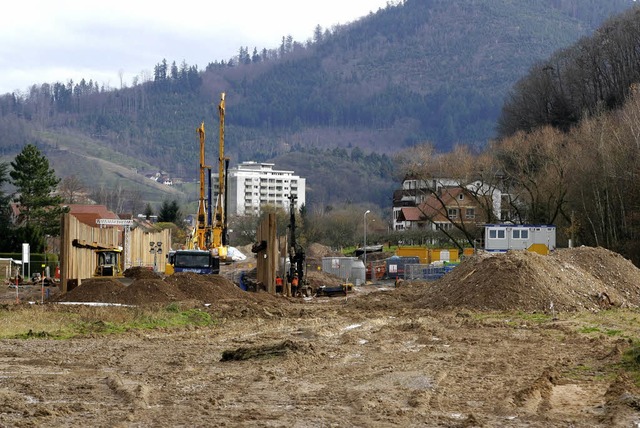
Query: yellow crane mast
{"points": [[218, 227], [200, 237]]}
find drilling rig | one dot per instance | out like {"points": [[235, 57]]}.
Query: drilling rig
{"points": [[219, 224], [296, 253], [198, 257], [202, 235], [208, 244]]}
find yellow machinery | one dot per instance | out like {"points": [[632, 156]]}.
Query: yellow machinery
{"points": [[199, 239], [169, 266], [219, 223], [109, 262], [210, 231]]}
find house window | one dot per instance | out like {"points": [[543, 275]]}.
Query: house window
{"points": [[470, 213], [446, 226], [453, 213], [461, 196]]}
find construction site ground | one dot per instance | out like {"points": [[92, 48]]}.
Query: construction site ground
{"points": [[508, 340]]}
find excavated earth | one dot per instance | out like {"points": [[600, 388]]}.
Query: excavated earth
{"points": [[504, 340]]}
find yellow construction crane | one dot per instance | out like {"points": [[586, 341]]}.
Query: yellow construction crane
{"points": [[219, 223]]}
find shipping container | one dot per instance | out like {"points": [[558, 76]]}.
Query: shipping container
{"points": [[503, 237]]}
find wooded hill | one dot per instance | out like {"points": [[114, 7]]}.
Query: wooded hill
{"points": [[414, 71]]}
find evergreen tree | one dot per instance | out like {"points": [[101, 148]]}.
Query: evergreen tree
{"points": [[5, 210], [36, 182], [169, 212], [148, 211]]}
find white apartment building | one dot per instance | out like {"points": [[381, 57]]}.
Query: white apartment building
{"points": [[252, 185]]}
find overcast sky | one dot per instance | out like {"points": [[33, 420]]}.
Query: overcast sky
{"points": [[46, 41]]}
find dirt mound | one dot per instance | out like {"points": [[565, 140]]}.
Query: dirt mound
{"points": [[139, 272], [145, 291], [318, 251], [94, 290], [567, 280], [206, 288], [318, 278]]}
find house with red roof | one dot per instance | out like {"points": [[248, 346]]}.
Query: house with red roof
{"points": [[88, 214]]}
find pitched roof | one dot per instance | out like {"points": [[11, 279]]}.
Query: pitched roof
{"points": [[410, 214], [91, 208], [434, 207], [88, 214]]}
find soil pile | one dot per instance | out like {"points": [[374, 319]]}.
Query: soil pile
{"points": [[318, 251], [314, 254], [139, 272], [212, 290], [95, 290], [566, 280], [318, 278], [206, 288], [146, 290]]}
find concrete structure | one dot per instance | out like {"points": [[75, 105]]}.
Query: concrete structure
{"points": [[252, 185]]}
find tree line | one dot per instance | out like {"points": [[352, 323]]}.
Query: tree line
{"points": [[595, 74], [584, 180]]}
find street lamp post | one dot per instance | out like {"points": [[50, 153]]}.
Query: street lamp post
{"points": [[156, 248], [365, 244]]}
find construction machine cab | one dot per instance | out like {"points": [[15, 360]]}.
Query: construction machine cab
{"points": [[109, 262]]}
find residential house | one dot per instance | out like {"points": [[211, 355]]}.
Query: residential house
{"points": [[88, 214], [450, 206], [420, 204]]}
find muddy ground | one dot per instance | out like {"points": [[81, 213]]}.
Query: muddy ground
{"points": [[515, 340]]}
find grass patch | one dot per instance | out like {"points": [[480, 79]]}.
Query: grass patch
{"points": [[631, 362], [513, 319], [589, 329], [63, 322]]}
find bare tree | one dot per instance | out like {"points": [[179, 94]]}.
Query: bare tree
{"points": [[536, 168], [443, 186], [72, 189]]}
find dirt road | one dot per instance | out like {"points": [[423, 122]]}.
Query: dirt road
{"points": [[325, 363]]}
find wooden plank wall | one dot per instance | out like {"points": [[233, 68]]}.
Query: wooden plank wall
{"points": [[267, 259], [140, 248], [77, 263]]}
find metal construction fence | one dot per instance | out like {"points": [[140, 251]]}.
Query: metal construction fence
{"points": [[427, 272]]}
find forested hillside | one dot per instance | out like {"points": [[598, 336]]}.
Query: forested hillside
{"points": [[415, 71]]}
